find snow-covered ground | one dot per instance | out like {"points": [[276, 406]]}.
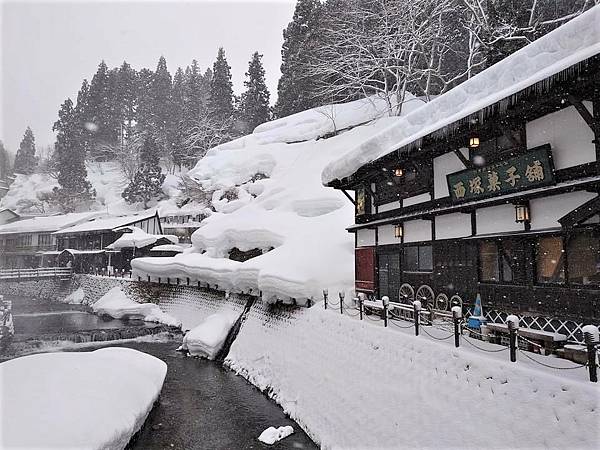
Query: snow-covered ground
{"points": [[268, 195], [208, 338], [92, 400], [75, 298], [118, 306], [353, 384]]}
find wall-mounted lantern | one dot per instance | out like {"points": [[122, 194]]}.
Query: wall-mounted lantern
{"points": [[473, 140], [522, 213], [398, 231], [398, 172]]}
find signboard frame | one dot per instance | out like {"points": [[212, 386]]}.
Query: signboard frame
{"points": [[543, 154]]}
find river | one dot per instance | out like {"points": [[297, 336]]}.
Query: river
{"points": [[202, 404]]}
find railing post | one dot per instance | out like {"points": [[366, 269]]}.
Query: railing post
{"points": [[417, 315], [513, 325], [386, 303], [456, 316], [591, 338], [342, 295], [325, 294], [361, 297]]}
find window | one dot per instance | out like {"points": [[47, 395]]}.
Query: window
{"points": [[583, 253], [417, 258], [44, 240], [488, 257], [550, 261], [502, 261]]}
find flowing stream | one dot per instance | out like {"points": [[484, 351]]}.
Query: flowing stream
{"points": [[202, 404]]}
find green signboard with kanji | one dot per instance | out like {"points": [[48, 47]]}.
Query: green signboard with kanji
{"points": [[525, 171]]}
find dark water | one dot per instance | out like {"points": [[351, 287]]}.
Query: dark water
{"points": [[33, 317], [202, 405]]}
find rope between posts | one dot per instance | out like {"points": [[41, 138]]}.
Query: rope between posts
{"points": [[528, 341], [483, 349], [424, 330], [333, 304], [377, 318], [351, 315], [401, 326], [548, 365]]}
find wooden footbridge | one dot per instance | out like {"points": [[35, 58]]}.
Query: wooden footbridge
{"points": [[61, 273]]}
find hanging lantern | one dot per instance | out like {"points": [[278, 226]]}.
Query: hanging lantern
{"points": [[398, 231], [521, 213]]}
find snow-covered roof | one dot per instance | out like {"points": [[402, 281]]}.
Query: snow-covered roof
{"points": [[46, 224], [568, 45], [138, 238], [106, 223], [167, 248]]}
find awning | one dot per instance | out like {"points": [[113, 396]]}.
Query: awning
{"points": [[546, 190], [50, 252], [581, 213], [514, 233], [82, 252]]}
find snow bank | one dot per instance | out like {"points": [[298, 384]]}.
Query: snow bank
{"points": [[268, 195], [117, 305], [75, 298], [351, 384], [207, 338], [272, 434], [569, 44], [93, 400]]}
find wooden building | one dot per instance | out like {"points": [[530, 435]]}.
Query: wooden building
{"points": [[496, 193]]}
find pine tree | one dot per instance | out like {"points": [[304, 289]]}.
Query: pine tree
{"points": [[144, 100], [220, 103], [178, 116], [25, 160], [147, 184], [127, 97], [295, 88], [75, 191], [100, 109], [161, 100], [255, 101], [85, 124], [4, 162]]}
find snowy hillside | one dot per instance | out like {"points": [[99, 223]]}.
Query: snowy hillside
{"points": [[268, 197]]}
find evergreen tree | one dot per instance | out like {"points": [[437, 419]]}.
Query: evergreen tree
{"points": [[127, 96], [100, 109], [144, 100], [295, 88], [255, 101], [4, 162], [75, 191], [220, 103], [25, 160], [85, 123], [147, 184], [178, 117], [161, 100], [194, 96]]}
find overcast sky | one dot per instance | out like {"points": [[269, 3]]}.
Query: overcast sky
{"points": [[48, 48]]}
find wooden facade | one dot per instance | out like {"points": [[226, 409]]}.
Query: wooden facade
{"points": [[442, 213]]}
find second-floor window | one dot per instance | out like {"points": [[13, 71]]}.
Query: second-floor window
{"points": [[44, 240], [24, 240]]}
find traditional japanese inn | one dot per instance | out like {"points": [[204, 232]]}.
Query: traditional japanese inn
{"points": [[490, 189]]}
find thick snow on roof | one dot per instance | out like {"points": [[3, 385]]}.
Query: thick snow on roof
{"points": [[167, 248], [138, 238], [290, 211], [107, 223], [46, 224], [569, 44], [91, 400]]}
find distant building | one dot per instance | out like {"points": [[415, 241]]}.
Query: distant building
{"points": [[23, 243], [182, 224]]}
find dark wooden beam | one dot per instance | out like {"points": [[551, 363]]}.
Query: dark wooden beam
{"points": [[506, 132], [349, 196], [468, 164], [585, 114]]}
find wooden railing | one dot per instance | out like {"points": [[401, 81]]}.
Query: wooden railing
{"points": [[29, 274]]}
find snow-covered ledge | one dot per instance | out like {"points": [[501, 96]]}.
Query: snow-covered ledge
{"points": [[93, 400]]}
